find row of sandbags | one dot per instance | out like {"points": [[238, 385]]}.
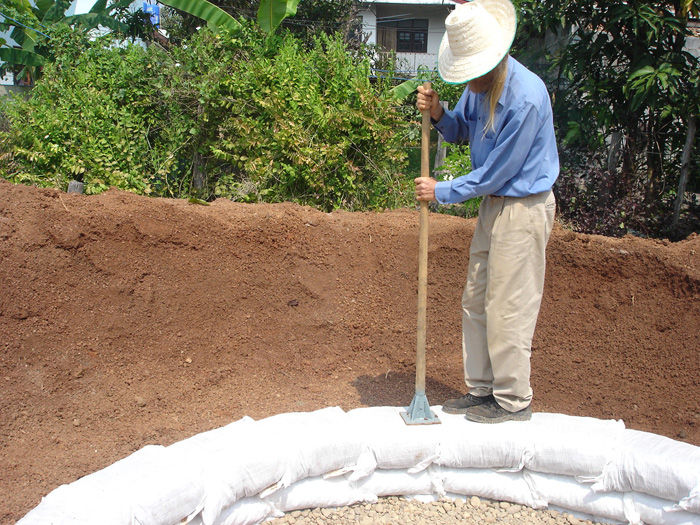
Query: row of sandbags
{"points": [[251, 470]]}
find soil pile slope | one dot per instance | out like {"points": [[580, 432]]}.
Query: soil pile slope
{"points": [[126, 321]]}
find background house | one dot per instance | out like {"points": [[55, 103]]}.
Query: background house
{"points": [[411, 28], [8, 79]]}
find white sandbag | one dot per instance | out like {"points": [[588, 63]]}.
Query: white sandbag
{"points": [[691, 502], [655, 511], [572, 446], [147, 487], [67, 506], [399, 483], [251, 470], [584, 516], [393, 443], [464, 444], [247, 511], [486, 483], [655, 465], [429, 498], [212, 442], [567, 493], [315, 443], [318, 492], [93, 495], [276, 452], [249, 466]]}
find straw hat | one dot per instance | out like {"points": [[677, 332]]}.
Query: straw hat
{"points": [[478, 35]]}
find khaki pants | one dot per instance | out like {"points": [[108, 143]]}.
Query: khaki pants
{"points": [[503, 294]]}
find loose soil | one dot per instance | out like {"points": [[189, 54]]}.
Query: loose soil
{"points": [[127, 321]]}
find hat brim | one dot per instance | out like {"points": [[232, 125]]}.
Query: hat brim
{"points": [[458, 70]]}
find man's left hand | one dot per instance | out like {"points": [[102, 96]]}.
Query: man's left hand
{"points": [[425, 188]]}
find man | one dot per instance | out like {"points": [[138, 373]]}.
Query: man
{"points": [[505, 114]]}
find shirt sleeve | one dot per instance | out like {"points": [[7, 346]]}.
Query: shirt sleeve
{"points": [[453, 124], [510, 150]]}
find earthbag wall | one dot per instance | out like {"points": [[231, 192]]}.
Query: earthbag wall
{"points": [[250, 471]]}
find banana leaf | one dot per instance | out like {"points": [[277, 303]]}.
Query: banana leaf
{"points": [[92, 20], [207, 11], [42, 6], [404, 89], [98, 7], [56, 12], [16, 57], [24, 37], [272, 12]]}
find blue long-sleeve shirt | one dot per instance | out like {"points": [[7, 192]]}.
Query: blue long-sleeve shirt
{"points": [[516, 159]]}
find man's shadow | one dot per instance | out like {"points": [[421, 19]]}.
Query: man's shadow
{"points": [[398, 389]]}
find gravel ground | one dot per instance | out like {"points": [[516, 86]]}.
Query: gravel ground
{"points": [[400, 511]]}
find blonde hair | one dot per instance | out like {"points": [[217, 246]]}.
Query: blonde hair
{"points": [[495, 91]]}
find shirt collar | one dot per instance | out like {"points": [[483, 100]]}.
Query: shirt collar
{"points": [[509, 77]]}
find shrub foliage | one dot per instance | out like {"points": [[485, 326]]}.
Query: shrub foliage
{"points": [[235, 114]]}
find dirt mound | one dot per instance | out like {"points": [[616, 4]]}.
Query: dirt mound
{"points": [[126, 321]]}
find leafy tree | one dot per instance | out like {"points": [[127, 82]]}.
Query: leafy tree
{"points": [[30, 26], [622, 82], [94, 116], [322, 16]]}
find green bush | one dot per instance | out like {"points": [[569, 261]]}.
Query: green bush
{"points": [[91, 118], [308, 126], [237, 115]]}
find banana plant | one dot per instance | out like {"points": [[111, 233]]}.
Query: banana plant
{"points": [[101, 14], [20, 19], [27, 23], [271, 13], [213, 15]]}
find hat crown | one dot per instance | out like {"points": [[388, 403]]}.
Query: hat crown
{"points": [[478, 34], [471, 29]]}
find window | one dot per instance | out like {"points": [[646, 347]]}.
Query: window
{"points": [[411, 35]]}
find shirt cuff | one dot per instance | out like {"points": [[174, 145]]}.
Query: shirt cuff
{"points": [[442, 191], [438, 124]]}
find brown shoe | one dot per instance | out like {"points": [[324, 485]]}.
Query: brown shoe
{"points": [[461, 404], [492, 412]]}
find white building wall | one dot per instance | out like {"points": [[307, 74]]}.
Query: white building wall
{"points": [[369, 25], [435, 11], [436, 29], [8, 79], [692, 44]]}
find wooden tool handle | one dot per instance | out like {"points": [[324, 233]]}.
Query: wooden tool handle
{"points": [[423, 254]]}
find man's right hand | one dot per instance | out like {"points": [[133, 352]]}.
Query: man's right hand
{"points": [[428, 100]]}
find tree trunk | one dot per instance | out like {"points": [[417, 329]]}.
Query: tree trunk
{"points": [[615, 150], [199, 176], [685, 169], [654, 154]]}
